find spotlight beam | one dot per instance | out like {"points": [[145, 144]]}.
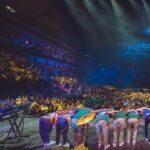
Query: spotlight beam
{"points": [[147, 10], [96, 14], [82, 19], [123, 23]]}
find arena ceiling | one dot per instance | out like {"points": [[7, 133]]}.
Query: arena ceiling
{"points": [[109, 34]]}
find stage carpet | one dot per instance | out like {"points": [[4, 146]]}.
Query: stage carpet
{"points": [[32, 140]]}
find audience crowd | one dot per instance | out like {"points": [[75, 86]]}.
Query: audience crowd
{"points": [[94, 98], [45, 64], [29, 70]]}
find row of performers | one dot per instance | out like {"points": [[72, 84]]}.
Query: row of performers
{"points": [[121, 118]]}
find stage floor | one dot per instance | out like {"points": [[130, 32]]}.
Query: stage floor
{"points": [[33, 141]]}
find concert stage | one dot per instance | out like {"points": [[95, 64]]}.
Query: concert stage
{"points": [[32, 141]]}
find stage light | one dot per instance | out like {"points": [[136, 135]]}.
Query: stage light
{"points": [[86, 55], [147, 30], [10, 9], [48, 47], [26, 42], [132, 71]]}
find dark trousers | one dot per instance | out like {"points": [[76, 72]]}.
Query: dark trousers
{"points": [[78, 136], [61, 128], [44, 129], [147, 122]]}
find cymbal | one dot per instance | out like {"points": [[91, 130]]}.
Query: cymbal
{"points": [[86, 118]]}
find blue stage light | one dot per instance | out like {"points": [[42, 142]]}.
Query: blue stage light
{"points": [[147, 30]]}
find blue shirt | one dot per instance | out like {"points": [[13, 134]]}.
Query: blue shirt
{"points": [[62, 116], [146, 113]]}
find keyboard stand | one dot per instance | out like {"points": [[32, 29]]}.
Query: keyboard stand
{"points": [[16, 121]]}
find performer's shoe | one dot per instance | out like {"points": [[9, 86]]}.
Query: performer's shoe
{"points": [[59, 144], [134, 142], [66, 145], [121, 144], [99, 145], [50, 143], [146, 139], [128, 141], [114, 145], [106, 146], [44, 144]]}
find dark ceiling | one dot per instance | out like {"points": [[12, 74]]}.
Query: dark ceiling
{"points": [[102, 30], [83, 24]]}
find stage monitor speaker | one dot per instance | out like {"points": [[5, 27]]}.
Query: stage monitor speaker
{"points": [[81, 147]]}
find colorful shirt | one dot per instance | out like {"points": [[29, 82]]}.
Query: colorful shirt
{"points": [[81, 112], [50, 117]]}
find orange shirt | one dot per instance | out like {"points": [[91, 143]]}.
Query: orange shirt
{"points": [[50, 117]]}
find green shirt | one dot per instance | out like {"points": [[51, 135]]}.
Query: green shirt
{"points": [[81, 112], [120, 114], [133, 114], [101, 116]]}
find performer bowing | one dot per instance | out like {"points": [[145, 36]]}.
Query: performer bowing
{"points": [[132, 123], [78, 130], [62, 121], [102, 122], [146, 113], [119, 124], [45, 127]]}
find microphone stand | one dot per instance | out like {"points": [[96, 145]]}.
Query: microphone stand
{"points": [[87, 134]]}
